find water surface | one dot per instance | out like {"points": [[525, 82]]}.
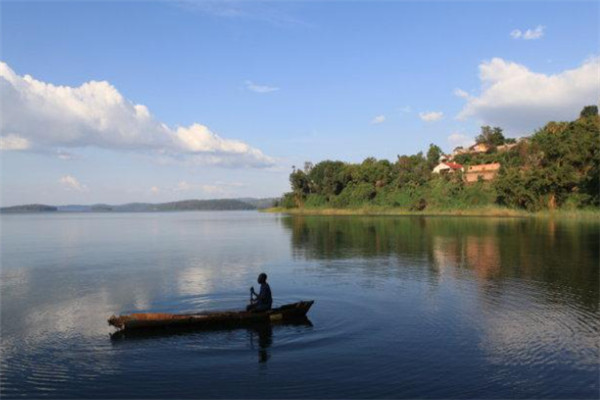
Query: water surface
{"points": [[405, 306]]}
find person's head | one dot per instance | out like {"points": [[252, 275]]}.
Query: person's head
{"points": [[262, 278]]}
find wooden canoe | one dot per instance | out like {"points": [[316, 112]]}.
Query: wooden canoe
{"points": [[210, 320]]}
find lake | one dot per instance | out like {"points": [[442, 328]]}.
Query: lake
{"points": [[405, 307]]}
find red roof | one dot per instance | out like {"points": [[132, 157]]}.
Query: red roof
{"points": [[453, 165]]}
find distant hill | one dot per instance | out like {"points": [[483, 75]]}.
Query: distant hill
{"points": [[259, 203], [184, 205], [29, 208]]}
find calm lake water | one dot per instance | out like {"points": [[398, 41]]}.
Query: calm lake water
{"points": [[405, 307]]}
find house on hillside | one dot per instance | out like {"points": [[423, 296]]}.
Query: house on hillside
{"points": [[458, 151], [487, 172], [447, 168], [479, 148], [506, 147]]}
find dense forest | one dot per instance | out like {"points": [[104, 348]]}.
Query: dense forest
{"points": [[558, 166]]}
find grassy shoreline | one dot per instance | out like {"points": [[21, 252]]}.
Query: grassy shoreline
{"points": [[495, 212]]}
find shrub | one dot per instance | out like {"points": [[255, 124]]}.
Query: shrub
{"points": [[355, 194], [288, 201], [315, 201]]}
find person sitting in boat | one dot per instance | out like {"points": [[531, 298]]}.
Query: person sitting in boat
{"points": [[263, 300]]}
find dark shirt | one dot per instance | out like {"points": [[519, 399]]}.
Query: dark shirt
{"points": [[264, 296]]}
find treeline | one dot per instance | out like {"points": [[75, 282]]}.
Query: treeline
{"points": [[556, 167]]}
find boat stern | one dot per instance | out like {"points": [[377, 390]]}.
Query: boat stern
{"points": [[117, 322]]}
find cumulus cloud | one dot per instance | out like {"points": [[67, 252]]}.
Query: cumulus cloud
{"points": [[70, 183], [13, 142], [253, 87], [40, 116], [199, 139], [520, 100], [431, 116], [529, 34], [378, 119]]}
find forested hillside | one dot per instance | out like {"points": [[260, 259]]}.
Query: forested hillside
{"points": [[558, 166]]}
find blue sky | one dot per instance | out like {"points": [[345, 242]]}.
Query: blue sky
{"points": [[235, 93]]}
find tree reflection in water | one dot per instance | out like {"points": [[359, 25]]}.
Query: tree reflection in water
{"points": [[563, 254]]}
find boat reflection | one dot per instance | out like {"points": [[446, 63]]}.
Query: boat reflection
{"points": [[261, 335]]}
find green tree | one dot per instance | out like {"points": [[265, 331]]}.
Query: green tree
{"points": [[288, 201], [373, 171], [589, 111], [491, 136], [299, 182], [411, 170], [354, 195], [559, 165], [433, 155], [328, 178], [516, 188]]}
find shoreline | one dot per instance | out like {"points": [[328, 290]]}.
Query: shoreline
{"points": [[488, 212]]}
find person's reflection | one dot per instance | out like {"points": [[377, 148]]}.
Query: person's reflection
{"points": [[265, 339], [264, 335]]}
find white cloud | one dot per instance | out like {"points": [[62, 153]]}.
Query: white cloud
{"points": [[216, 188], [40, 116], [260, 88], [13, 142], [212, 189], [536, 33], [519, 100], [431, 116], [70, 183], [516, 33], [198, 138], [529, 34], [461, 93], [458, 139], [405, 109], [154, 190], [64, 155], [182, 186], [378, 119]]}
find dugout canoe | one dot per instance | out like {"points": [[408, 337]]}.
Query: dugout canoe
{"points": [[210, 320]]}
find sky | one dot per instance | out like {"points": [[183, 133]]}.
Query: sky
{"points": [[153, 101]]}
